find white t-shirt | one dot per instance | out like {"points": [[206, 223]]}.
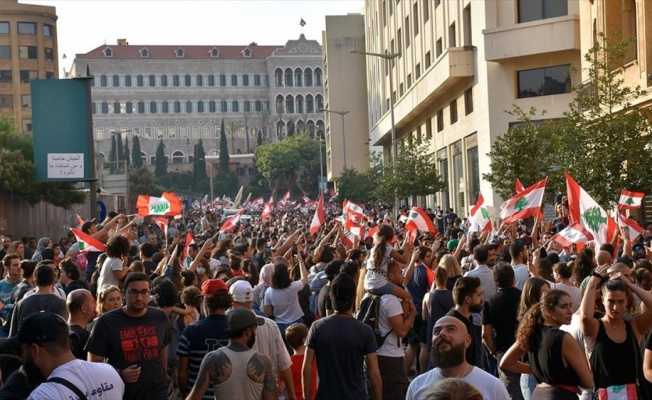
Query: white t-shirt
{"points": [[285, 302], [390, 306], [99, 381], [488, 385], [106, 277], [376, 276], [574, 293]]}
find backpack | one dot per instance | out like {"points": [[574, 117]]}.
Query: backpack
{"points": [[368, 313]]}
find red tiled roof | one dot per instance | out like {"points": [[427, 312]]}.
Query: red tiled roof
{"points": [[126, 52]]}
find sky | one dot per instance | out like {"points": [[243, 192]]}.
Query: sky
{"points": [[86, 24]]}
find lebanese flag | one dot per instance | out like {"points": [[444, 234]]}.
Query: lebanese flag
{"points": [[319, 218], [256, 203], [80, 221], [87, 242], [168, 204], [524, 204], [189, 240], [630, 200], [267, 211], [588, 213], [284, 199], [572, 234], [518, 186], [355, 210], [162, 224], [634, 228], [419, 220], [480, 215], [230, 223], [347, 239]]}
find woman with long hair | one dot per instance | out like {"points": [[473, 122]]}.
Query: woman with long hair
{"points": [[453, 270], [17, 247], [282, 300], [555, 359], [108, 299]]}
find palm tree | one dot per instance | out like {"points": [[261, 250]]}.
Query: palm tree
{"points": [[280, 110], [246, 115], [233, 126], [263, 121]]}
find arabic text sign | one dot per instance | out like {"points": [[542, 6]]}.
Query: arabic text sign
{"points": [[65, 165]]}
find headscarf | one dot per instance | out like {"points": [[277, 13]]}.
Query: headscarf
{"points": [[264, 281], [42, 244]]}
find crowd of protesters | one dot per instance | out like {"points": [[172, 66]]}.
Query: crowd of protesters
{"points": [[269, 311]]}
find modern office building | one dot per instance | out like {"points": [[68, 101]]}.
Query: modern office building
{"points": [[460, 65], [28, 50], [180, 94], [345, 93]]}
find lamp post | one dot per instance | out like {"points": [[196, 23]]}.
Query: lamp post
{"points": [[341, 114], [389, 59], [188, 144]]}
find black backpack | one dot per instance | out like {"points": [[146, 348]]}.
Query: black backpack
{"points": [[368, 313]]}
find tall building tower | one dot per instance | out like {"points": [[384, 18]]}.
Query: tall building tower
{"points": [[28, 50]]}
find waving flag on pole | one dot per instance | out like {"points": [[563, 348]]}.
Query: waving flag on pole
{"points": [[572, 234], [319, 218], [162, 223], [518, 186], [267, 211], [588, 213], [168, 204], [355, 210], [524, 204], [480, 215], [634, 228], [256, 203], [80, 221], [284, 200], [418, 220], [230, 223], [630, 200], [87, 242]]}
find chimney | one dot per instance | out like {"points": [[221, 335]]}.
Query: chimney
{"points": [[123, 42]]}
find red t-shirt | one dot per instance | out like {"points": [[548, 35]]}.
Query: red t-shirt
{"points": [[297, 363]]}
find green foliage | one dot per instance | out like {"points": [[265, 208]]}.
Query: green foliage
{"points": [[113, 154], [136, 159], [355, 186], [121, 151], [233, 126], [161, 162], [259, 138], [224, 150], [142, 181], [225, 183], [126, 151], [199, 163]]}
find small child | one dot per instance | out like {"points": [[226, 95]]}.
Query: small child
{"points": [[296, 335], [191, 299], [375, 280]]}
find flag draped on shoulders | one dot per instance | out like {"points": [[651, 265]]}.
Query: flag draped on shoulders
{"points": [[524, 204], [630, 200], [87, 242], [168, 204], [480, 215], [588, 213]]}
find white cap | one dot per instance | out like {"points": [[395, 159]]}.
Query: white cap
{"points": [[241, 291]]}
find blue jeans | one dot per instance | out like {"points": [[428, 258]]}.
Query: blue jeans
{"points": [[528, 383]]}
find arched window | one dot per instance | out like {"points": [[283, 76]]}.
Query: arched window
{"points": [[300, 104], [319, 100], [179, 53], [298, 77], [100, 157], [278, 77], [320, 126], [177, 157], [318, 80], [310, 105], [311, 128], [301, 127], [290, 128], [307, 77], [280, 129], [280, 108], [289, 104], [288, 77]]}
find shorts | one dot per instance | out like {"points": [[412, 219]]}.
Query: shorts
{"points": [[388, 288]]}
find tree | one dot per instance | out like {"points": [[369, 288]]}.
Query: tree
{"points": [[113, 154], [280, 110], [246, 115], [233, 126], [126, 150], [161, 162], [355, 186], [259, 138], [199, 163], [136, 158], [142, 181], [121, 152], [224, 150], [263, 121]]}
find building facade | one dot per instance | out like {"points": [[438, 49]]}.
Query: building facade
{"points": [[28, 50], [462, 64], [345, 91], [181, 94]]}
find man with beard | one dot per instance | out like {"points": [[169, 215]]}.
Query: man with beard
{"points": [[43, 340], [468, 298], [134, 340], [450, 338], [237, 371]]}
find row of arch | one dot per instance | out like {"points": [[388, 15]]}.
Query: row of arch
{"points": [[310, 127], [296, 104], [298, 77]]}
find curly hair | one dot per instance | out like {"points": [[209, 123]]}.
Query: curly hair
{"points": [[527, 335], [117, 247]]}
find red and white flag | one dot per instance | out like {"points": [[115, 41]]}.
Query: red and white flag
{"points": [[480, 215], [308, 202], [630, 200], [634, 228], [80, 221], [168, 204], [319, 218], [524, 204], [189, 240], [87, 242], [284, 199], [230, 223], [418, 220], [354, 210], [162, 223], [256, 203], [267, 211], [518, 186], [585, 210], [572, 234]]}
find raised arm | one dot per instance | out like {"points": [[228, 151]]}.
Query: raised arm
{"points": [[588, 324], [208, 245], [410, 269]]}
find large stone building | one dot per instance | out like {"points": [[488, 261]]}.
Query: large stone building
{"points": [[462, 63], [180, 94], [28, 50]]}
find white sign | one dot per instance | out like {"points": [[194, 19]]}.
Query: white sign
{"points": [[65, 165]]}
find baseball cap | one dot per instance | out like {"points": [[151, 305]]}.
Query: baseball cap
{"points": [[211, 286], [42, 327], [241, 291], [242, 318]]}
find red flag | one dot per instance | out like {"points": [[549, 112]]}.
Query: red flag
{"points": [[319, 218], [168, 204], [585, 210], [267, 211], [87, 242], [162, 223], [230, 223], [634, 228], [518, 186], [189, 240], [524, 204]]}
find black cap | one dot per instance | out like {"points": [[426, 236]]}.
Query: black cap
{"points": [[242, 318], [43, 327]]}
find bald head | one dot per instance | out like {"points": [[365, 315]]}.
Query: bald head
{"points": [[77, 299], [603, 257], [447, 321]]}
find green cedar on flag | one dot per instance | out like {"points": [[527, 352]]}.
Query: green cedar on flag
{"points": [[418, 220], [588, 213], [524, 204], [480, 216], [572, 234], [87, 242], [633, 228], [630, 200]]}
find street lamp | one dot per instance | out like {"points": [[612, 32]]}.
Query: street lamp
{"points": [[188, 144], [341, 114], [389, 58]]}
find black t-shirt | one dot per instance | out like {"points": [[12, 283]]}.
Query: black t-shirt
{"points": [[150, 267], [470, 351], [78, 341], [126, 341], [15, 387], [440, 303], [501, 311], [77, 284], [324, 301], [259, 260]]}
